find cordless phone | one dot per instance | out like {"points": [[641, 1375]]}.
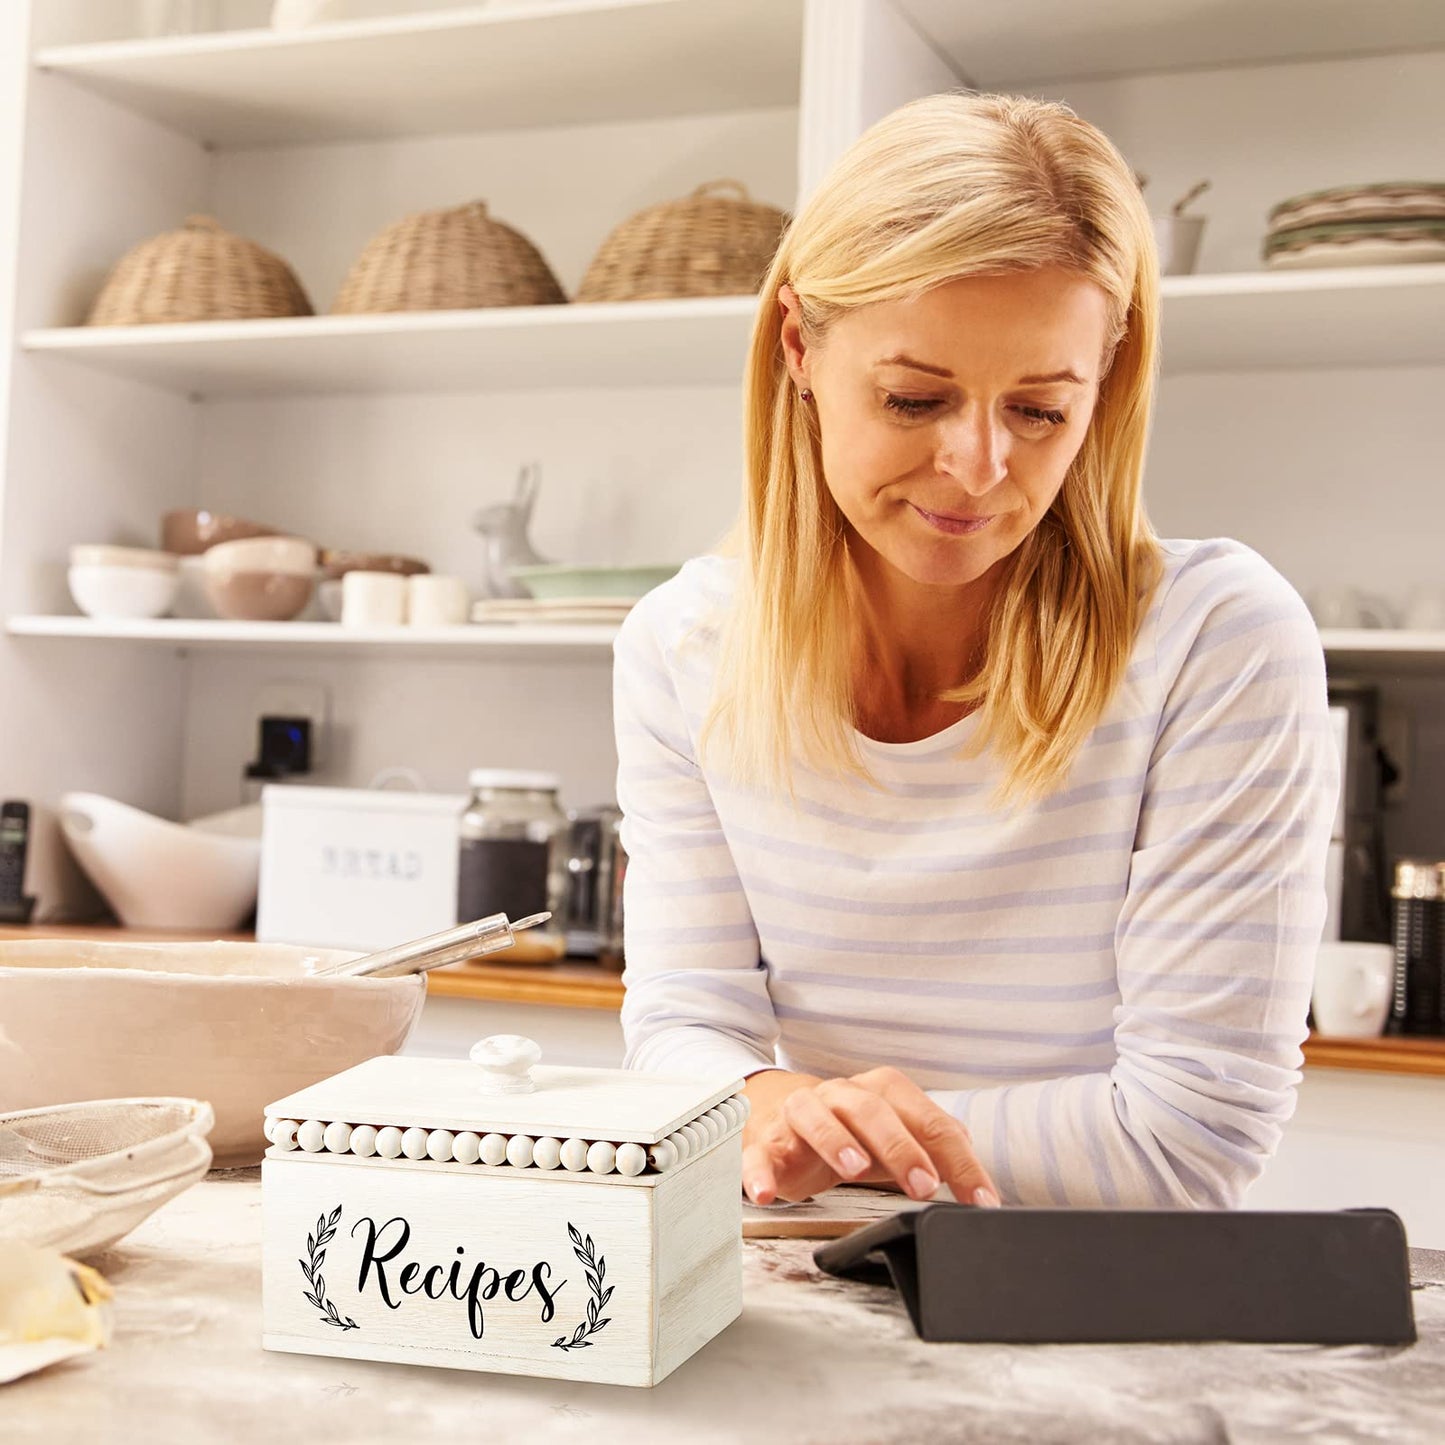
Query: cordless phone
{"points": [[15, 907]]}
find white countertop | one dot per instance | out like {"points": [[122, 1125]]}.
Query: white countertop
{"points": [[812, 1359]]}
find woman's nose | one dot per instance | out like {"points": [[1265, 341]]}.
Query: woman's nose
{"points": [[974, 450]]}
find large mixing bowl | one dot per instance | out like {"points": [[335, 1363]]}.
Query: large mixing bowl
{"points": [[238, 1024]]}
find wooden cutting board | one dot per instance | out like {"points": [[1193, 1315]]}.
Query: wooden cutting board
{"points": [[830, 1215]]}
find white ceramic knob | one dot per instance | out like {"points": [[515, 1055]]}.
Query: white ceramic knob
{"points": [[413, 1143], [505, 1062], [311, 1136], [574, 1155], [337, 1137], [519, 1151], [631, 1159], [363, 1141], [602, 1157], [494, 1149], [466, 1147], [388, 1142], [663, 1155], [283, 1136], [439, 1145], [547, 1153]]}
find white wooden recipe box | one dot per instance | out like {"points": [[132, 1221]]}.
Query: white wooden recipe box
{"points": [[580, 1223]]}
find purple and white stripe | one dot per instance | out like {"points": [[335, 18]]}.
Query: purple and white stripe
{"points": [[1108, 988]]}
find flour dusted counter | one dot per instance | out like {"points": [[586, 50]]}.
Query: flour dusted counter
{"points": [[812, 1360]]}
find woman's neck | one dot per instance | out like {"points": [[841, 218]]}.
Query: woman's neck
{"points": [[911, 642]]}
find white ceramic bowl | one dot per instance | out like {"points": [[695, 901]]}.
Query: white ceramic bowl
{"points": [[159, 874], [88, 554], [237, 1024], [113, 593], [193, 600]]}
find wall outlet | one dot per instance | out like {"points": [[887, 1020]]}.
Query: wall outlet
{"points": [[296, 699]]}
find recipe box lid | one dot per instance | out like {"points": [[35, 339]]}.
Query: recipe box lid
{"points": [[620, 1105]]}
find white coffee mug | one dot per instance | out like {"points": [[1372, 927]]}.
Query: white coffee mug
{"points": [[373, 599], [433, 601], [1340, 605], [1425, 609], [1353, 986]]}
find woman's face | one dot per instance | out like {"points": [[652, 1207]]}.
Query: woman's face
{"points": [[948, 422]]}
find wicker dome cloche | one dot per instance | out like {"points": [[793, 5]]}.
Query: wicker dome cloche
{"points": [[707, 244], [201, 272], [452, 259]]}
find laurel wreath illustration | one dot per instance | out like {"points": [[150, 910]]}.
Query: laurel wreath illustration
{"points": [[596, 1268], [311, 1268]]}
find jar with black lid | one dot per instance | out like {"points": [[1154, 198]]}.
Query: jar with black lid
{"points": [[1419, 929], [513, 858]]}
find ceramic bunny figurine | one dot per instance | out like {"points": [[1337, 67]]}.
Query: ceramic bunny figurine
{"points": [[504, 526]]}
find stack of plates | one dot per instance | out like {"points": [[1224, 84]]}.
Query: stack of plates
{"points": [[553, 609], [1393, 221]]}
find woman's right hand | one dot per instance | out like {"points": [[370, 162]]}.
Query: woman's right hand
{"points": [[806, 1134]]}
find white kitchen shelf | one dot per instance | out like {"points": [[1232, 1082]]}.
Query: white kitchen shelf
{"points": [[1365, 316], [496, 67], [1343, 646], [1310, 318], [554, 641], [1025, 42], [691, 342], [1372, 649]]}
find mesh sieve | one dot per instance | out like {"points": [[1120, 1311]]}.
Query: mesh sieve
{"points": [[78, 1177]]}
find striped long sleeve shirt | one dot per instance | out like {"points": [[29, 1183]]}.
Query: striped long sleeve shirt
{"points": [[1108, 987]]}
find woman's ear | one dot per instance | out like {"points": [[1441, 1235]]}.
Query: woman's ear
{"points": [[794, 350]]}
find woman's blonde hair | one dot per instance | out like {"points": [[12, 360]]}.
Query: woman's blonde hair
{"points": [[947, 186]]}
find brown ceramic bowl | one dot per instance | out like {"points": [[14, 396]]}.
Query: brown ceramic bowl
{"points": [[261, 579], [190, 531], [337, 564]]}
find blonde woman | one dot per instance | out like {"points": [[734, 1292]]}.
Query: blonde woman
{"points": [[980, 829]]}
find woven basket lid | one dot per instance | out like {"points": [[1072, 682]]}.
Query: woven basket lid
{"points": [[201, 272], [448, 260], [706, 244]]}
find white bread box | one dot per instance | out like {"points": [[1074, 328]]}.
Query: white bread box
{"points": [[579, 1223]]}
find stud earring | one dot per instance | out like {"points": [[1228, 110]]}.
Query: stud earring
{"points": [[806, 394]]}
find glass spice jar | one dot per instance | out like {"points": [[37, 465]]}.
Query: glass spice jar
{"points": [[513, 858]]}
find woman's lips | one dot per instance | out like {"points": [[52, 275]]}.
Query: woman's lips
{"points": [[954, 526]]}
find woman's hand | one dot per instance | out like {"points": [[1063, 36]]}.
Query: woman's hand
{"points": [[806, 1134]]}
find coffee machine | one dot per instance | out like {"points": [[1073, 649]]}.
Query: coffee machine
{"points": [[1357, 875]]}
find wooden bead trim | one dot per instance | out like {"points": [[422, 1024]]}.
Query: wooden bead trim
{"points": [[520, 1151]]}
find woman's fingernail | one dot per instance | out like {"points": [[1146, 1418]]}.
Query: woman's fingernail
{"points": [[756, 1189], [986, 1198], [922, 1183], [854, 1161]]}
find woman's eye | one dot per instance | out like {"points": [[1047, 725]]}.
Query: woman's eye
{"points": [[1041, 416], [909, 406]]}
